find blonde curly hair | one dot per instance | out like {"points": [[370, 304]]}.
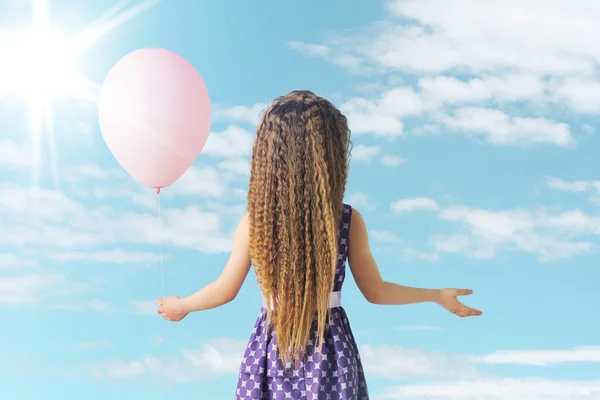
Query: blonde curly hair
{"points": [[295, 200]]}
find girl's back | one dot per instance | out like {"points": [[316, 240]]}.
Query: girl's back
{"points": [[332, 371]]}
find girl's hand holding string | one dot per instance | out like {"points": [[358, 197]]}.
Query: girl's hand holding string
{"points": [[219, 292], [171, 308]]}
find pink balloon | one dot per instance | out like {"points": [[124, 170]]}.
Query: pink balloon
{"points": [[154, 114]]}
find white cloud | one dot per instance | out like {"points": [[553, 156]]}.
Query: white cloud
{"points": [[217, 357], [13, 154], [588, 130], [8, 260], [482, 233], [17, 202], [384, 116], [399, 363], [116, 256], [443, 376], [118, 370], [233, 142], [217, 180], [396, 244], [250, 115], [442, 89], [573, 186], [27, 288], [583, 354], [391, 161], [497, 389], [361, 152], [496, 127], [432, 374], [455, 377], [82, 173], [359, 199], [239, 166], [577, 186], [346, 61], [581, 95], [309, 49], [414, 204], [201, 181], [412, 254], [222, 356], [417, 37], [472, 59], [53, 222], [433, 93], [535, 231], [148, 307], [208, 182], [381, 117], [385, 236]]}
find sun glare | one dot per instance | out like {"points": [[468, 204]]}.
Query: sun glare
{"points": [[36, 66]]}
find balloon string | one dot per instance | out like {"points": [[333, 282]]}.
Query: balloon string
{"points": [[161, 229]]}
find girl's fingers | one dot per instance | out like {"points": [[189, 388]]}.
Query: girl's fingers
{"points": [[470, 312], [464, 292]]}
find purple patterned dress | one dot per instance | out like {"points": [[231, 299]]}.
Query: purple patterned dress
{"points": [[334, 372]]}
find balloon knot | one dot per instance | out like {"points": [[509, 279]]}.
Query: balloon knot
{"points": [[157, 190]]}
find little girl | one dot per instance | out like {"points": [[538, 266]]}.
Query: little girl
{"points": [[298, 234]]}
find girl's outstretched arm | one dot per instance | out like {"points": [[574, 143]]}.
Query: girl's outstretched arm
{"points": [[377, 291], [221, 291]]}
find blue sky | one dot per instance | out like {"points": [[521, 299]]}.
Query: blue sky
{"points": [[474, 165]]}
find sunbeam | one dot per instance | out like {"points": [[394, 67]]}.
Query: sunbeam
{"points": [[107, 22]]}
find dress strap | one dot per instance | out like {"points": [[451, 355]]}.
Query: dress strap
{"points": [[335, 300]]}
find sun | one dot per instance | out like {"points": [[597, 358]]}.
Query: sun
{"points": [[36, 65]]}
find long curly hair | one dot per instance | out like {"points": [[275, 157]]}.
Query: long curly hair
{"points": [[295, 201]]}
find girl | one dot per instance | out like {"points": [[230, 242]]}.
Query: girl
{"points": [[298, 234]]}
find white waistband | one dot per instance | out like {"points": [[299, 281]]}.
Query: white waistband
{"points": [[335, 300]]}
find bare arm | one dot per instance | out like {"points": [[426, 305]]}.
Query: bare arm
{"points": [[367, 276], [377, 291], [226, 287]]}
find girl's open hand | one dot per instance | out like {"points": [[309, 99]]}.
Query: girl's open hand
{"points": [[170, 308], [448, 299]]}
